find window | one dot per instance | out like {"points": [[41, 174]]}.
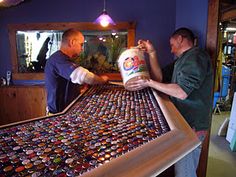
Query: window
{"points": [[32, 45]]}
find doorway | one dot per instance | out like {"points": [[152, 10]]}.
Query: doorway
{"points": [[222, 31]]}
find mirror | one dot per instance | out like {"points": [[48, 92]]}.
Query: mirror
{"points": [[32, 45]]}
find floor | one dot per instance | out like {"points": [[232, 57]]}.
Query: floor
{"points": [[221, 160]]}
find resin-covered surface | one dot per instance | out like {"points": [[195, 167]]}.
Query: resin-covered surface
{"points": [[104, 123]]}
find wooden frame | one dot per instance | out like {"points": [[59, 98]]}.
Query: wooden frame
{"points": [[13, 28], [153, 157], [156, 156]]}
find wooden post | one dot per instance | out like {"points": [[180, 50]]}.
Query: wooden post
{"points": [[211, 46]]}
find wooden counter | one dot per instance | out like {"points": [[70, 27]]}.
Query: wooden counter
{"points": [[156, 156], [21, 103], [151, 158]]}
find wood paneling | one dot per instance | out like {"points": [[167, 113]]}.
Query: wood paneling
{"points": [[153, 157], [21, 103]]}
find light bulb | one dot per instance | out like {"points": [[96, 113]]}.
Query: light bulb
{"points": [[104, 19], [104, 22]]}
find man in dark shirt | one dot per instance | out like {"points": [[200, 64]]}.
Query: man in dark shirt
{"points": [[61, 73], [190, 89]]}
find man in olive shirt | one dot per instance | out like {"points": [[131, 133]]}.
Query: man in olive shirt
{"points": [[190, 89]]}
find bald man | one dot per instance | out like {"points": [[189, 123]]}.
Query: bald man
{"points": [[61, 74]]}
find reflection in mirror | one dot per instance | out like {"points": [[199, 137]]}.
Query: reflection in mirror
{"points": [[101, 49], [34, 47]]}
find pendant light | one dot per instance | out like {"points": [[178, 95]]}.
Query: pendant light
{"points": [[104, 19]]}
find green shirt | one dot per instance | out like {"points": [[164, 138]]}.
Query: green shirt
{"points": [[193, 73]]}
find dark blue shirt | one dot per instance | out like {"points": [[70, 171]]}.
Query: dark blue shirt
{"points": [[60, 90]]}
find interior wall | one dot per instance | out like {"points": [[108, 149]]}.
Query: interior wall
{"points": [[193, 14], [156, 19], [148, 15]]}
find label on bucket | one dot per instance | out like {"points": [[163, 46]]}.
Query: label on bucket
{"points": [[132, 64]]}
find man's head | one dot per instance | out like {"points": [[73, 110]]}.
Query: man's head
{"points": [[72, 42], [181, 40]]}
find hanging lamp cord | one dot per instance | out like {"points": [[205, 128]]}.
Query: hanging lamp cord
{"points": [[104, 7]]}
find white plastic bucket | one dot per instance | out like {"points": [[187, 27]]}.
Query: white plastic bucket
{"points": [[132, 66]]}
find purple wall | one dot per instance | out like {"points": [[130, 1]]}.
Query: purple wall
{"points": [[156, 19], [193, 14]]}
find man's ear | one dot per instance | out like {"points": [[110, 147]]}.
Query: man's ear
{"points": [[179, 39], [71, 42], [74, 41]]}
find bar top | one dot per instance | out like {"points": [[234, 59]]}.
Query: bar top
{"points": [[100, 134]]}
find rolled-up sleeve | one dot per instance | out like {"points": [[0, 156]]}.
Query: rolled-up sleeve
{"points": [[192, 74], [81, 75]]}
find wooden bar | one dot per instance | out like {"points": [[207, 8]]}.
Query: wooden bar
{"points": [[21, 103], [151, 158]]}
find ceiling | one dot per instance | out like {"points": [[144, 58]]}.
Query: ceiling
{"points": [[4, 4], [224, 4], [227, 4], [228, 14]]}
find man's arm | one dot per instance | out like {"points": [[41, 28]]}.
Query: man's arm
{"points": [[173, 90], [82, 76], [156, 73], [155, 69]]}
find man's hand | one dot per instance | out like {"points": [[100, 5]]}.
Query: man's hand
{"points": [[146, 46], [104, 78], [138, 84]]}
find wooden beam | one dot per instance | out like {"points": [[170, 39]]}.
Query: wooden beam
{"points": [[228, 15], [212, 48], [212, 30]]}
